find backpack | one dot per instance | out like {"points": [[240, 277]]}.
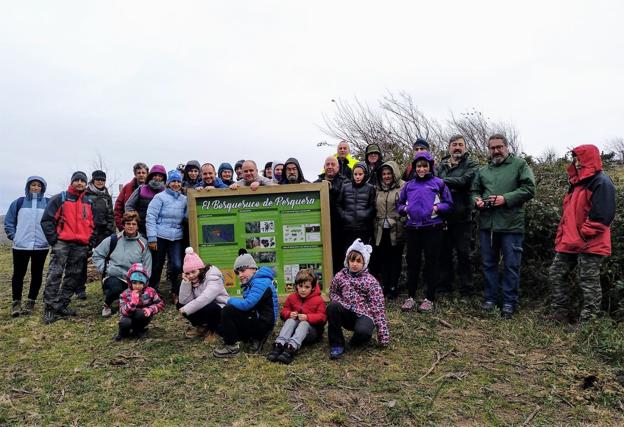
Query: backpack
{"points": [[114, 238]]}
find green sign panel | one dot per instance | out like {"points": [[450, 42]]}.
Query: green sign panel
{"points": [[283, 227]]}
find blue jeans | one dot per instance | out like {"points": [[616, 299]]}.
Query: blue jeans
{"points": [[509, 246]]}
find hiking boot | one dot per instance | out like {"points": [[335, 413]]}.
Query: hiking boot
{"points": [[28, 308], [257, 344], [288, 355], [507, 311], [49, 316], [226, 351], [193, 332], [66, 311], [488, 306], [106, 311], [426, 306], [408, 304], [276, 350], [81, 295], [16, 308], [336, 352]]}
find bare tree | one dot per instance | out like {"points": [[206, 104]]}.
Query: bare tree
{"points": [[397, 122], [617, 146]]}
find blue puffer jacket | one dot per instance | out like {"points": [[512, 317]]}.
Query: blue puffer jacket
{"points": [[419, 195], [260, 296], [165, 215], [23, 227]]}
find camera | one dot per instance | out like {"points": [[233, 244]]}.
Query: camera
{"points": [[488, 204]]}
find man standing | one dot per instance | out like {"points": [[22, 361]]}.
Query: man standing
{"points": [[140, 175], [294, 174], [209, 179], [335, 181], [457, 170], [250, 177], [500, 191], [345, 161], [584, 234], [421, 144], [67, 223]]}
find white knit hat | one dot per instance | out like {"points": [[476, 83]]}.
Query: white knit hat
{"points": [[359, 247]]}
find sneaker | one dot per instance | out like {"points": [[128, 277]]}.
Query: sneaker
{"points": [[16, 307], [193, 332], [408, 304], [426, 306], [276, 350], [336, 352], [82, 295], [257, 344], [106, 311], [288, 355], [507, 311], [226, 351], [488, 306], [28, 308], [49, 316], [66, 311]]}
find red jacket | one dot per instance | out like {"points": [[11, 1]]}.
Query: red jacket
{"points": [[69, 217], [588, 208], [313, 306], [120, 203]]}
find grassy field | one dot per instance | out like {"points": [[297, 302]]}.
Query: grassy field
{"points": [[455, 367]]}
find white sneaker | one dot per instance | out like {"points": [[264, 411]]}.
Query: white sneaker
{"points": [[106, 311]]}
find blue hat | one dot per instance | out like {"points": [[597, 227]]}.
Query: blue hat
{"points": [[174, 175], [137, 276]]}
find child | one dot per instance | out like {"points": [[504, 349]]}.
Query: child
{"points": [[304, 318], [356, 207], [202, 296], [357, 303], [253, 316], [423, 199], [138, 304]]}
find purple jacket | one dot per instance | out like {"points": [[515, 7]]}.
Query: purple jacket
{"points": [[419, 195]]}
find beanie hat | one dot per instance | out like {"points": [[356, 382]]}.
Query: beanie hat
{"points": [[244, 260], [239, 164], [98, 174], [192, 261], [421, 142], [138, 276], [79, 175], [174, 175], [359, 247], [372, 148]]}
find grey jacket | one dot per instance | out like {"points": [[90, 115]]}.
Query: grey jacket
{"points": [[128, 251], [211, 289]]}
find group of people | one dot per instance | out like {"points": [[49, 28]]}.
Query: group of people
{"points": [[376, 210]]}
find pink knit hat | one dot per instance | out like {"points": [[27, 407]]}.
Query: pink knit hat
{"points": [[192, 261]]}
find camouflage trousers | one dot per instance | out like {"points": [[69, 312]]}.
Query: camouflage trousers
{"points": [[64, 273], [588, 266]]}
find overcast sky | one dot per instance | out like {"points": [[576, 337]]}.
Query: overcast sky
{"points": [[166, 82]]}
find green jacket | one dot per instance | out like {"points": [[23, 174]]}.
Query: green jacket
{"points": [[514, 180], [458, 179]]}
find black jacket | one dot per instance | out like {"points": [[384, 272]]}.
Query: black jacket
{"points": [[356, 205], [335, 187], [458, 179]]}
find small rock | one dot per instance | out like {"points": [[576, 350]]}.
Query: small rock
{"points": [[392, 404]]}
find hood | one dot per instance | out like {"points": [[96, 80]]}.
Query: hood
{"points": [[395, 171], [191, 164], [591, 163], [274, 165], [137, 267], [262, 273], [296, 163], [43, 182], [155, 170], [424, 155], [373, 148], [224, 166], [364, 166]]}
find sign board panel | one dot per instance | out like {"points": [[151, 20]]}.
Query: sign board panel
{"points": [[286, 227]]}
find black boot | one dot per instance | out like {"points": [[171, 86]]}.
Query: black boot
{"points": [[288, 355], [276, 350]]}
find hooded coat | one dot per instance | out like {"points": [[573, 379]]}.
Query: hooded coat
{"points": [[140, 199], [259, 296], [68, 217], [223, 167], [300, 179], [373, 177], [387, 215], [458, 179], [418, 197], [275, 164], [188, 182], [22, 223], [148, 299], [588, 207], [312, 306], [356, 203]]}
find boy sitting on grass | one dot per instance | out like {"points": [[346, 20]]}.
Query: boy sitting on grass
{"points": [[138, 304], [252, 317], [304, 318]]}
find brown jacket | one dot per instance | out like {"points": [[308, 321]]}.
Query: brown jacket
{"points": [[386, 202]]}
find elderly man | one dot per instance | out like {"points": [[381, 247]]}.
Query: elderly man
{"points": [[250, 177], [293, 173], [500, 190], [345, 161], [209, 180], [457, 170], [584, 234], [421, 144], [140, 174], [335, 181]]}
